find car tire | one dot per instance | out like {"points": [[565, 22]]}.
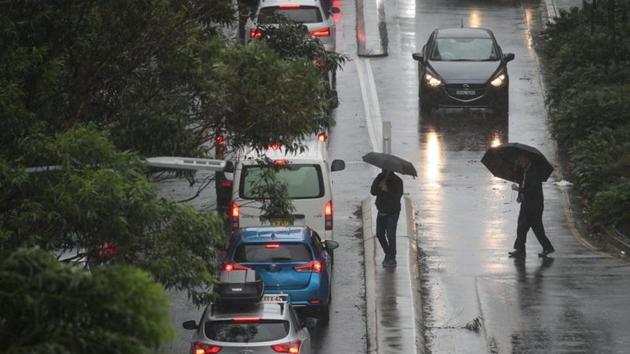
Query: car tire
{"points": [[502, 107], [324, 311], [425, 107]]}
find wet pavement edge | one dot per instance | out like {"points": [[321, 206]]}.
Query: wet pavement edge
{"points": [[371, 30]]}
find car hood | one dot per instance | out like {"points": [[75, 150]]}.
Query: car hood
{"points": [[459, 72]]}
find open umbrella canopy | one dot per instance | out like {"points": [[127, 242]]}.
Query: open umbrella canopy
{"points": [[391, 163], [501, 161]]}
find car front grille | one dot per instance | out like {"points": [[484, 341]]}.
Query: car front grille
{"points": [[466, 92]]}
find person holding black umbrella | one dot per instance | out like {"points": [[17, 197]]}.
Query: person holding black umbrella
{"points": [[388, 189], [530, 195]]}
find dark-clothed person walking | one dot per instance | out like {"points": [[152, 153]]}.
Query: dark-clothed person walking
{"points": [[388, 189], [530, 195]]}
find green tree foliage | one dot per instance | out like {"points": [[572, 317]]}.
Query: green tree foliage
{"points": [[611, 205], [272, 194], [49, 307], [102, 196]]}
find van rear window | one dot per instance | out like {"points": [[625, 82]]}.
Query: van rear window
{"points": [[301, 14], [251, 332], [272, 252], [303, 180]]}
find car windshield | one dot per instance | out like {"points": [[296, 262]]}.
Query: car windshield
{"points": [[303, 181], [300, 14], [464, 49], [233, 332], [272, 252]]}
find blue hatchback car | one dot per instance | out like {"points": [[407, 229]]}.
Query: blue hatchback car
{"points": [[291, 260]]}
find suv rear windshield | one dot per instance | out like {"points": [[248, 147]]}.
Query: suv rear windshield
{"points": [[278, 252], [303, 181], [262, 331], [464, 49], [302, 14]]}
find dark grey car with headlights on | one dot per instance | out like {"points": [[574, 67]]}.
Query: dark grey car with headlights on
{"points": [[463, 67]]}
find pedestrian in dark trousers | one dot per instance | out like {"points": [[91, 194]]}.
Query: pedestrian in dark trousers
{"points": [[388, 189], [530, 195]]}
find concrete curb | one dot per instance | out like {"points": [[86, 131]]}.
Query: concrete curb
{"points": [[552, 11], [619, 240], [370, 277], [371, 30]]}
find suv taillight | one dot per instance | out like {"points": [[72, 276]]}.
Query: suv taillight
{"points": [[230, 266], [255, 33], [321, 32], [203, 348], [313, 266], [292, 347], [235, 216], [328, 216]]}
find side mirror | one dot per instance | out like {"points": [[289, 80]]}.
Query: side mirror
{"points": [[417, 56], [310, 323], [331, 245], [508, 57], [337, 165], [190, 325], [229, 167], [334, 10]]}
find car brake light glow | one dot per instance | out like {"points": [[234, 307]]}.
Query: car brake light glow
{"points": [[246, 319], [313, 266], [322, 137], [321, 32], [272, 245], [315, 301], [226, 184], [202, 348], [328, 216], [255, 33], [292, 347], [219, 139], [235, 216], [230, 266], [280, 162], [289, 6]]}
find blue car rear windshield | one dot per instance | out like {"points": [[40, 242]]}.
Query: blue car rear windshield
{"points": [[262, 331], [302, 14], [272, 252], [464, 49]]}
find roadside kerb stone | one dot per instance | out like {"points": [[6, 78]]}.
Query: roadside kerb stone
{"points": [[371, 30]]}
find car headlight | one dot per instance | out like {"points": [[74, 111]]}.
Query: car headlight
{"points": [[432, 81], [498, 81]]}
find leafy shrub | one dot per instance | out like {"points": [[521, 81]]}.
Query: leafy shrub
{"points": [[594, 160], [590, 110], [611, 206]]}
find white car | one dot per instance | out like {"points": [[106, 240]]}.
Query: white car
{"points": [[314, 14]]}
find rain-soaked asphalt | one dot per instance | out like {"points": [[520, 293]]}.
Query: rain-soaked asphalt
{"points": [[574, 302]]}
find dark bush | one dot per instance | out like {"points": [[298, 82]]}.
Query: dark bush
{"points": [[611, 206]]}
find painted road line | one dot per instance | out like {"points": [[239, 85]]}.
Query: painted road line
{"points": [[371, 105]]}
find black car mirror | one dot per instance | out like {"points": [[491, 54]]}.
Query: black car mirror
{"points": [[310, 323], [417, 56], [508, 57], [331, 245], [190, 325], [334, 10], [229, 167], [337, 165]]}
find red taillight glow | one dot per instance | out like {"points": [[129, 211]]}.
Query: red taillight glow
{"points": [[255, 33], [230, 266], [272, 245], [292, 347], [202, 348], [235, 216], [280, 162], [289, 6], [322, 32], [313, 266], [328, 216], [322, 137], [226, 184], [246, 319], [314, 301], [219, 139]]}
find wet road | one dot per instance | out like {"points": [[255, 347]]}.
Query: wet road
{"points": [[574, 302]]}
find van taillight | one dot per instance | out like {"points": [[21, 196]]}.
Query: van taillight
{"points": [[235, 216], [203, 348], [328, 216], [255, 33], [322, 32]]}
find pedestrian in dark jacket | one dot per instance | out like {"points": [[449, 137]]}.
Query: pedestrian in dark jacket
{"points": [[388, 189], [530, 195]]}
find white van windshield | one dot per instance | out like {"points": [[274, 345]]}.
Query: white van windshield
{"points": [[303, 180]]}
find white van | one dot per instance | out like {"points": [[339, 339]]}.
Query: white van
{"points": [[307, 176]]}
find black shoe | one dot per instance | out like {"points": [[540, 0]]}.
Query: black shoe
{"points": [[390, 263], [544, 253], [517, 253], [385, 261]]}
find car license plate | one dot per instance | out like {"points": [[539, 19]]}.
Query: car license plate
{"points": [[275, 298], [465, 92]]}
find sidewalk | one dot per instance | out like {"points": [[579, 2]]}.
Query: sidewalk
{"points": [[554, 7], [392, 298]]}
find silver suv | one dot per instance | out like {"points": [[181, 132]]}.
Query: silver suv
{"points": [[270, 326], [314, 14]]}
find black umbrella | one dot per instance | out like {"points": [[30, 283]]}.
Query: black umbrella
{"points": [[501, 161], [391, 163]]}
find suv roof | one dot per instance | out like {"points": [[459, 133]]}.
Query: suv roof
{"points": [[464, 32], [271, 233]]}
